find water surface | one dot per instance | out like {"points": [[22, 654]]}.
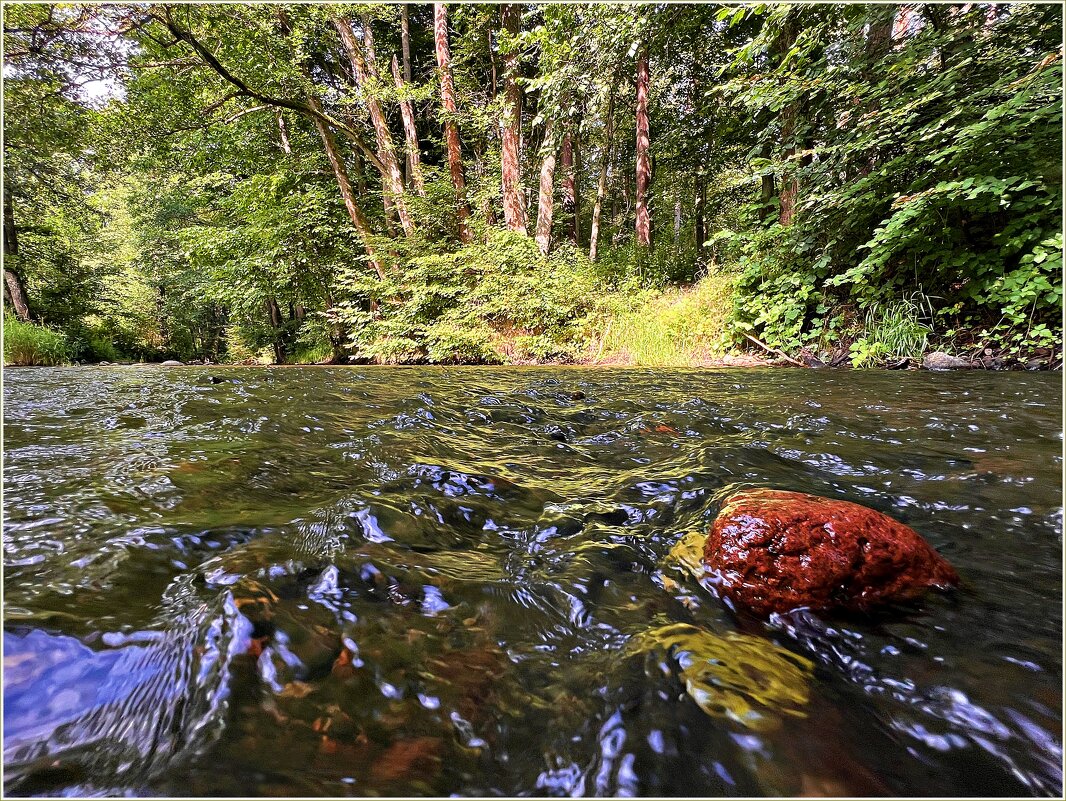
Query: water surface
{"points": [[405, 581]]}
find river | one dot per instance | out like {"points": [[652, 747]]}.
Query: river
{"points": [[411, 581]]}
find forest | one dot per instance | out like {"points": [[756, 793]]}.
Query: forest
{"points": [[523, 183]]}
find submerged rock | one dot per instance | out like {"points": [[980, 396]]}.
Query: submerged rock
{"points": [[774, 551], [746, 679], [938, 360], [172, 363]]}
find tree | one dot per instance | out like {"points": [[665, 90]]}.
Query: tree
{"points": [[238, 185], [605, 160], [643, 219], [364, 67], [451, 129], [514, 206], [545, 199]]}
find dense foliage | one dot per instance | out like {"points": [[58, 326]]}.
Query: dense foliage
{"points": [[485, 183]]}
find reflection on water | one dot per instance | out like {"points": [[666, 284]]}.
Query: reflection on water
{"points": [[349, 581]]}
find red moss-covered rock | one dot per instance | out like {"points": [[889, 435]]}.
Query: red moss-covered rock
{"points": [[776, 551]]}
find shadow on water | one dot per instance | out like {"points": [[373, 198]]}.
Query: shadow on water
{"points": [[437, 581]]}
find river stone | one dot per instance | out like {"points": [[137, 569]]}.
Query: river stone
{"points": [[774, 551], [938, 360], [172, 363]]}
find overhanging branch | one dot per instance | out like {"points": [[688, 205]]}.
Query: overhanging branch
{"points": [[244, 89]]}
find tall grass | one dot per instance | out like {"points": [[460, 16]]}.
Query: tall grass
{"points": [[28, 344], [681, 328], [894, 330]]}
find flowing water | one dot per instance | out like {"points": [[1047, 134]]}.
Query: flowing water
{"points": [[393, 581]]}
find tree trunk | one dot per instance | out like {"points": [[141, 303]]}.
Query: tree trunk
{"points": [[766, 193], [405, 44], [414, 158], [492, 68], [337, 333], [879, 32], [15, 293], [405, 49], [364, 68], [569, 187], [283, 133], [274, 314], [601, 186], [14, 289], [878, 45], [545, 199], [903, 22], [451, 129], [789, 187], [514, 206], [344, 184], [643, 221]]}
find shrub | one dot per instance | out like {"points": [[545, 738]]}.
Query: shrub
{"points": [[485, 302]]}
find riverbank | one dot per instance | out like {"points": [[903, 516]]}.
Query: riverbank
{"points": [[988, 363], [685, 327]]}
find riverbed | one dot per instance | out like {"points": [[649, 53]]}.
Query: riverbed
{"points": [[480, 581]]}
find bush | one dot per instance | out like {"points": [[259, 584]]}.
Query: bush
{"points": [[92, 340], [483, 303], [28, 344]]}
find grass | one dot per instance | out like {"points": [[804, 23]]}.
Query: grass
{"points": [[312, 354], [679, 328], [894, 330], [26, 344]]}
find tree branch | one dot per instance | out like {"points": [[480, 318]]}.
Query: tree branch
{"points": [[209, 58]]}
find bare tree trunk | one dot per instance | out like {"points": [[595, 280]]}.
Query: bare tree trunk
{"points": [[601, 186], [405, 44], [337, 334], [879, 32], [545, 199], [364, 68], [344, 184], [677, 219], [514, 206], [643, 221], [451, 130], [414, 158]]}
